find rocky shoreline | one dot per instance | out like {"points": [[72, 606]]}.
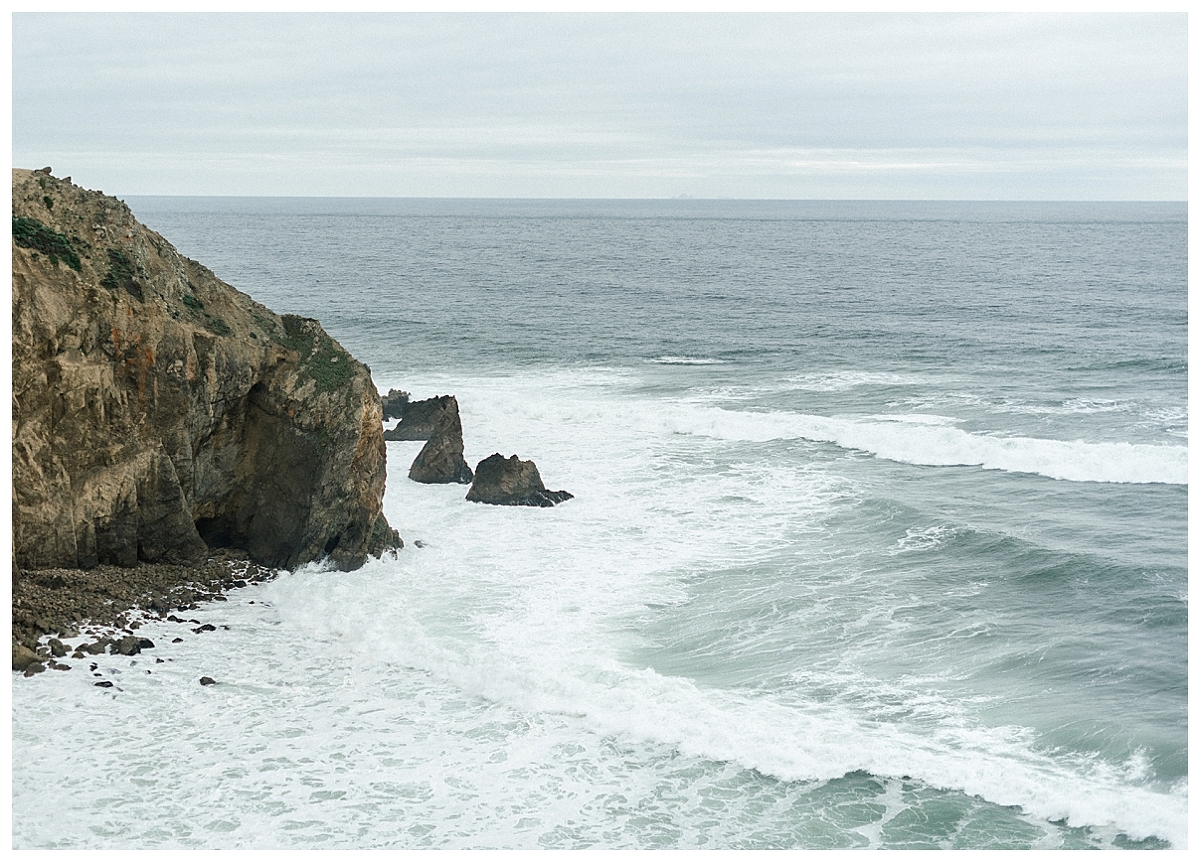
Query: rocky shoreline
{"points": [[101, 609]]}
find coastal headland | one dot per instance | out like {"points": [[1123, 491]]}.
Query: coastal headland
{"points": [[171, 436]]}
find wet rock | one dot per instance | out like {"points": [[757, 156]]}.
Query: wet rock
{"points": [[97, 647], [57, 649], [128, 645], [145, 643], [511, 482], [394, 404], [56, 666], [207, 680], [207, 627], [104, 683], [34, 668], [420, 419], [22, 657], [440, 461], [177, 640]]}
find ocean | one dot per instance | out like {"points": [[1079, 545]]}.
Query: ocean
{"points": [[879, 539]]}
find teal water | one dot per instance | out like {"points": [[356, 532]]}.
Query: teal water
{"points": [[879, 539]]}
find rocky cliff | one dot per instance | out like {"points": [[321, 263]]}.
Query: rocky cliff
{"points": [[158, 412]]}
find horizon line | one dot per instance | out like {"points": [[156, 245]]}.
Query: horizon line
{"points": [[676, 199]]}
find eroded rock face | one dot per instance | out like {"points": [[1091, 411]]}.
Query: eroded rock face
{"points": [[158, 412], [419, 419], [440, 460], [394, 404], [511, 482]]}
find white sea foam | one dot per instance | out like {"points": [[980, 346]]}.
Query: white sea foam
{"points": [[687, 360], [559, 655], [935, 444], [841, 381], [481, 690]]}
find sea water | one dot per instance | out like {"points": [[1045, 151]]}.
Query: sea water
{"points": [[878, 540]]}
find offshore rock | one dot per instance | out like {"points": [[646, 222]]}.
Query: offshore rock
{"points": [[421, 418], [394, 404], [158, 412], [440, 460], [511, 482]]}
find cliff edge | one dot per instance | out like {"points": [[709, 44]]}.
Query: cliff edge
{"points": [[159, 413]]}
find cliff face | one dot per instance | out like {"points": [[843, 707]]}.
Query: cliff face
{"points": [[158, 412]]}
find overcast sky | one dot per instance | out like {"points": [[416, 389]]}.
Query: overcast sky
{"points": [[801, 106]]}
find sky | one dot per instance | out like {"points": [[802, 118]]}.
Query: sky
{"points": [[803, 106]]}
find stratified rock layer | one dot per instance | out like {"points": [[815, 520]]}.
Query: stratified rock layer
{"points": [[158, 412], [440, 460], [511, 482]]}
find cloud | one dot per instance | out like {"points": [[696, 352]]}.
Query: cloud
{"points": [[608, 105]]}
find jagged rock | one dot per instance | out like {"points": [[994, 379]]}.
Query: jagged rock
{"points": [[207, 680], [421, 418], [158, 412], [511, 482], [394, 404], [440, 460]]}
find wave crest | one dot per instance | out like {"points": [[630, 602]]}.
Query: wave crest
{"points": [[938, 445]]}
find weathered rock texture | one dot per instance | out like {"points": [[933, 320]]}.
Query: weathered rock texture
{"points": [[511, 482], [440, 460], [394, 404], [419, 419], [158, 412]]}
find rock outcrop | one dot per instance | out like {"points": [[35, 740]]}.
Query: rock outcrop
{"points": [[440, 460], [420, 419], [158, 412], [394, 404], [511, 482]]}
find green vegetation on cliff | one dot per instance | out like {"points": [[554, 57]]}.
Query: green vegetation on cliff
{"points": [[121, 272], [320, 357], [31, 233]]}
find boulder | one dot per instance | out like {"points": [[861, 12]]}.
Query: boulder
{"points": [[394, 404], [421, 418], [440, 460], [159, 413], [23, 657], [129, 645], [511, 482]]}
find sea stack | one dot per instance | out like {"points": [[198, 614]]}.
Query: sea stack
{"points": [[394, 404], [418, 419], [511, 482], [440, 460], [158, 412]]}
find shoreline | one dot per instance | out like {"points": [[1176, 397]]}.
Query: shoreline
{"points": [[101, 609]]}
